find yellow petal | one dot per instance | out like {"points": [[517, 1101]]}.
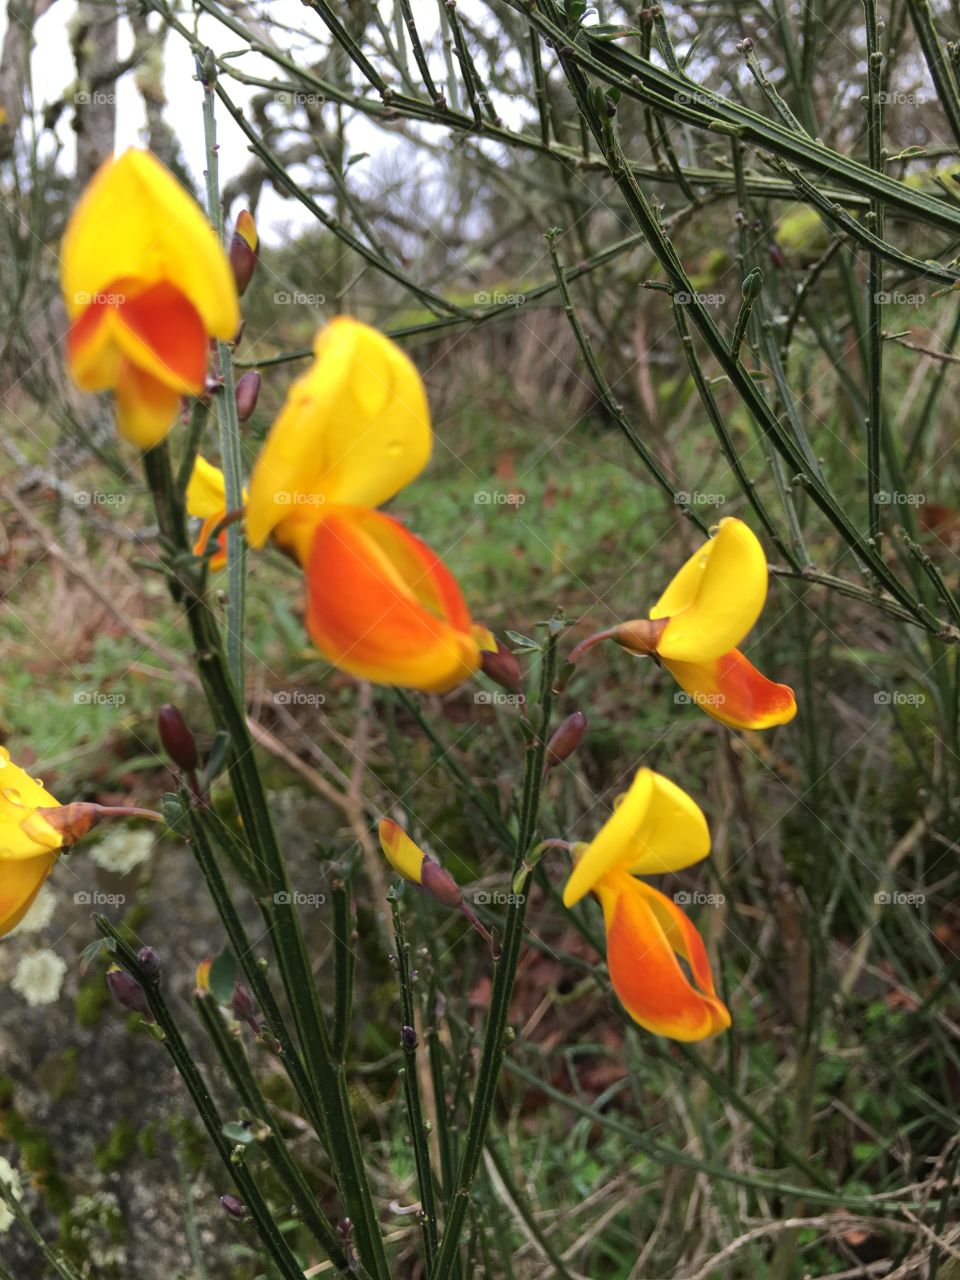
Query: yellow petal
{"points": [[404, 856], [674, 833], [146, 408], [20, 882], [655, 827], [136, 222], [24, 834], [206, 490], [608, 847], [354, 430], [715, 598]]}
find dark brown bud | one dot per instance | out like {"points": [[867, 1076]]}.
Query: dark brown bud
{"points": [[178, 742], [149, 962], [248, 391], [566, 738], [503, 668], [128, 992], [244, 1007], [408, 1038], [243, 251], [236, 1208]]}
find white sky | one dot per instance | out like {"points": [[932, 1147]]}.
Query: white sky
{"points": [[54, 73]]}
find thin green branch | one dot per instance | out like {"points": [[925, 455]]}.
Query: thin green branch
{"points": [[495, 1036]]}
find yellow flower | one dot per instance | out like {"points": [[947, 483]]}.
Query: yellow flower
{"points": [[706, 611], [206, 498], [655, 827], [354, 431], [29, 842], [146, 284]]}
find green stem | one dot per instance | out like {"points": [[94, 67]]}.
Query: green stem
{"points": [[230, 456], [238, 1070], [874, 274], [344, 964], [327, 1076], [263, 1219], [495, 1036], [411, 1093]]}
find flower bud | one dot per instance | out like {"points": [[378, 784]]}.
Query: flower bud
{"points": [[70, 821], [640, 636], [243, 251], [128, 992], [178, 742], [149, 962], [202, 975], [244, 1007], [502, 667], [566, 738], [440, 884], [247, 392], [236, 1208], [409, 860]]}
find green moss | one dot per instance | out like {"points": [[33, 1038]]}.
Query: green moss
{"points": [[91, 999], [118, 1148], [36, 1152]]}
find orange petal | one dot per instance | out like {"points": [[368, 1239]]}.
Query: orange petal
{"points": [[219, 557], [146, 407], [733, 691], [160, 330], [643, 964], [382, 606]]}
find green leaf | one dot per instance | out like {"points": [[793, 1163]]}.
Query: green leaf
{"points": [[223, 977], [237, 1133], [521, 643]]}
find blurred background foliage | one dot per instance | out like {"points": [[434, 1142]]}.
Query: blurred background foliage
{"points": [[819, 1137]]}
